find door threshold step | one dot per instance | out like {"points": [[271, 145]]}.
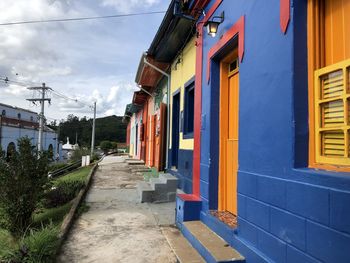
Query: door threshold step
{"points": [[212, 247], [183, 250]]}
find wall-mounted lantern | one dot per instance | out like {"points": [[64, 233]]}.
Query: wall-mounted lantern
{"points": [[213, 24]]}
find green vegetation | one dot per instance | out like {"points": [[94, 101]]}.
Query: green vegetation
{"points": [[54, 215], [78, 153], [109, 128], [40, 245], [66, 188], [105, 146], [39, 241], [56, 166], [152, 174], [23, 177]]}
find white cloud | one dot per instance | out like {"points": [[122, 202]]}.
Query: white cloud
{"points": [[130, 5], [90, 60]]}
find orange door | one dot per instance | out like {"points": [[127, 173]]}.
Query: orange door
{"points": [[229, 101]]}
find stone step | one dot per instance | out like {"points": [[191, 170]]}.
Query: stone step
{"points": [[171, 181], [140, 170], [183, 250], [145, 191], [164, 189], [209, 245], [135, 162]]}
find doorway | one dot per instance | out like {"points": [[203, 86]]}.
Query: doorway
{"points": [[228, 140], [175, 130]]}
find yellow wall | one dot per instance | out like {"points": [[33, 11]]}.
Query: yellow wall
{"points": [[180, 74]]}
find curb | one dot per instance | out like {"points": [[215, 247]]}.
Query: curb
{"points": [[69, 218]]}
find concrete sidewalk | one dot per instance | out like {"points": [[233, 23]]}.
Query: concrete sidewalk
{"points": [[117, 228]]}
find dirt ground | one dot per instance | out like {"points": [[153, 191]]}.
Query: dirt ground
{"points": [[117, 228]]}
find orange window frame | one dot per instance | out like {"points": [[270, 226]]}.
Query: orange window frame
{"points": [[316, 60]]}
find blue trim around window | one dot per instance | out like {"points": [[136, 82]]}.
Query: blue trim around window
{"points": [[188, 116]]}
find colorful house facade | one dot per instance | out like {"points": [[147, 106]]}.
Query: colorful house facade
{"points": [[269, 145], [182, 116], [271, 132]]}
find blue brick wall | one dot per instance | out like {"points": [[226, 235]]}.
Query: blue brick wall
{"points": [[296, 222], [287, 212], [184, 170]]}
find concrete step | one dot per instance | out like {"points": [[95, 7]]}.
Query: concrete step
{"points": [[145, 192], [164, 189], [171, 180], [140, 170], [209, 245], [135, 162], [183, 250]]}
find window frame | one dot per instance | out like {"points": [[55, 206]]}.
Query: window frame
{"points": [[316, 63], [188, 87]]}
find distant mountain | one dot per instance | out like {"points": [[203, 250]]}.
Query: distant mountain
{"points": [[109, 128]]}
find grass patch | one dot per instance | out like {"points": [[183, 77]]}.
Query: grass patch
{"points": [[66, 188], [8, 245], [78, 175], [54, 215], [40, 243]]}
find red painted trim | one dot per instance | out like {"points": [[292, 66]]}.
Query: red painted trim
{"points": [[198, 103], [284, 14], [197, 115], [212, 10], [236, 29], [186, 197]]}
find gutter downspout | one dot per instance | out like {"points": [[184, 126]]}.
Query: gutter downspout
{"points": [[168, 106]]}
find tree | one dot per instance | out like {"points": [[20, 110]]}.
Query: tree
{"points": [[105, 146], [22, 180]]}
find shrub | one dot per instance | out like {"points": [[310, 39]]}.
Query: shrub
{"points": [[114, 145], [56, 166], [63, 192], [66, 188], [40, 245], [105, 146], [8, 247], [95, 157], [22, 180], [78, 153]]}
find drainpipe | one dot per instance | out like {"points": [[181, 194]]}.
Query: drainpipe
{"points": [[168, 105]]}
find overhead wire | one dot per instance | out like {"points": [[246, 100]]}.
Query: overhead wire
{"points": [[80, 18], [53, 91]]}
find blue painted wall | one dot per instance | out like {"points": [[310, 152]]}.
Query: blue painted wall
{"points": [[287, 212], [184, 170]]}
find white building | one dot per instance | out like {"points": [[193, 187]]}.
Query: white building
{"points": [[17, 122]]}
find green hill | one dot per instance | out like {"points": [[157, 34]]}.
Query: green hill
{"points": [[109, 128]]}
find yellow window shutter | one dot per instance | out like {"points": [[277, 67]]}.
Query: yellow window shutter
{"points": [[332, 113]]}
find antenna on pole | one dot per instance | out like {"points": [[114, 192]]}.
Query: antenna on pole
{"points": [[42, 100]]}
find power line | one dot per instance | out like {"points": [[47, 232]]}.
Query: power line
{"points": [[79, 18], [23, 84]]}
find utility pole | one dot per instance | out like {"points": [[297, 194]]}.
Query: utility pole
{"points": [[93, 131], [42, 100]]}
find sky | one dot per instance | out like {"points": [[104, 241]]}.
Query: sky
{"points": [[94, 60]]}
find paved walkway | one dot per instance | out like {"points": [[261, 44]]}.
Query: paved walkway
{"points": [[117, 228]]}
